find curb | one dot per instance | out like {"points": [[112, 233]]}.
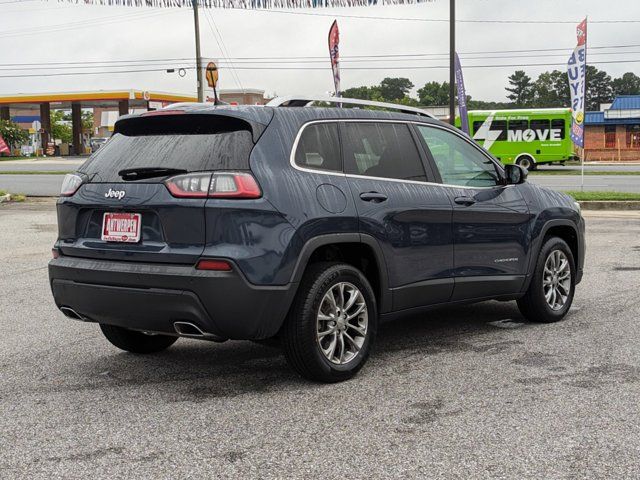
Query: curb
{"points": [[610, 205]]}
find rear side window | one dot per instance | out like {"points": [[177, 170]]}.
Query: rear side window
{"points": [[319, 148], [385, 150], [539, 125], [559, 125], [213, 148], [518, 125]]}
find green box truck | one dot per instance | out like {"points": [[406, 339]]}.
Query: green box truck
{"points": [[528, 137]]}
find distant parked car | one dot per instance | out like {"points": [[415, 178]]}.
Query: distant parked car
{"points": [[310, 225], [96, 143]]}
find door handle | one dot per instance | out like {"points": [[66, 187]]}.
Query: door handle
{"points": [[374, 197], [466, 201]]}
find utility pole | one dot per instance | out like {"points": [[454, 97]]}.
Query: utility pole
{"points": [[196, 20], [452, 64]]}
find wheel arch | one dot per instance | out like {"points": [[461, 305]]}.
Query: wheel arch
{"points": [[359, 250], [524, 154], [561, 228]]}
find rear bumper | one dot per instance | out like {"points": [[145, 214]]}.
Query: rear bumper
{"points": [[152, 297]]}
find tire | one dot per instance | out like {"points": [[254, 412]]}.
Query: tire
{"points": [[312, 310], [526, 162], [136, 342], [534, 305]]}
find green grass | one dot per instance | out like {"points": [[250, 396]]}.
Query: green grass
{"points": [[34, 172], [586, 172], [603, 196], [6, 159], [14, 197]]}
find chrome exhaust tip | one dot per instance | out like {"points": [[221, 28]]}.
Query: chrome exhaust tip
{"points": [[72, 314], [190, 330]]}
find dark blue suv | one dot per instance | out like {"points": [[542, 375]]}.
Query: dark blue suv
{"points": [[309, 225]]}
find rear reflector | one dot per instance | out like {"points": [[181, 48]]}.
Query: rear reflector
{"points": [[232, 185], [214, 265]]}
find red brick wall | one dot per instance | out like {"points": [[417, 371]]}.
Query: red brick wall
{"points": [[594, 137], [594, 142]]}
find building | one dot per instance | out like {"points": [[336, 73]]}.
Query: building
{"points": [[24, 109], [613, 134], [245, 96]]}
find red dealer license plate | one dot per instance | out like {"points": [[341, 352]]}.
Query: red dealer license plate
{"points": [[121, 227]]}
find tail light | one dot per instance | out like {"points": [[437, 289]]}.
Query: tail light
{"points": [[190, 185], [71, 184], [240, 185]]}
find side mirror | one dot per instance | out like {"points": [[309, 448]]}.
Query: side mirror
{"points": [[515, 174]]}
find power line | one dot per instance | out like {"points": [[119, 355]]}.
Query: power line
{"points": [[289, 58], [435, 20], [435, 67], [85, 23], [221, 45]]}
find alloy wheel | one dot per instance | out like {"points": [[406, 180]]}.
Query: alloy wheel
{"points": [[342, 323], [556, 280]]}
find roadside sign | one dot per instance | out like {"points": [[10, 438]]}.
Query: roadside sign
{"points": [[212, 74], [36, 125]]}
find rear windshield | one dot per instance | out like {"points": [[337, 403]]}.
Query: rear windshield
{"points": [[228, 150]]}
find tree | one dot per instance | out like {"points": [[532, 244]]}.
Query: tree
{"points": [[628, 84], [392, 89], [87, 121], [599, 88], [59, 129], [521, 89], [12, 134], [551, 89], [434, 93], [363, 93]]}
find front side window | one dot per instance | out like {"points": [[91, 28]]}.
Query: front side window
{"points": [[384, 150], [458, 161], [319, 147]]}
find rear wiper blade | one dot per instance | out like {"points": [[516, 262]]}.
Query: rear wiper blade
{"points": [[141, 173]]}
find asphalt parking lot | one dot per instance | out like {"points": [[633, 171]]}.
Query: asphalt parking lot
{"points": [[465, 392]]}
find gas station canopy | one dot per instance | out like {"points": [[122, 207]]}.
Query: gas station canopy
{"points": [[123, 100], [100, 98]]}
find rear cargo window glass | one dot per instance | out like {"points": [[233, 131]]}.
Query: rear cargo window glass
{"points": [[385, 150], [319, 147], [190, 152]]}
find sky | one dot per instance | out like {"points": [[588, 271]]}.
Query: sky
{"points": [[41, 32]]}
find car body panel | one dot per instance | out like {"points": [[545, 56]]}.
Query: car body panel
{"points": [[428, 250]]}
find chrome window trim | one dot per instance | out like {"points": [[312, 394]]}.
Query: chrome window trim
{"points": [[373, 120]]}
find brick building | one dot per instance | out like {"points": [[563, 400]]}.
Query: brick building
{"points": [[247, 96], [614, 133]]}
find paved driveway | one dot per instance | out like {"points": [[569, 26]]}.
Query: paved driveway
{"points": [[466, 392]]}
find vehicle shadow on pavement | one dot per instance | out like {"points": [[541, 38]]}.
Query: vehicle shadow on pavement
{"points": [[198, 371]]}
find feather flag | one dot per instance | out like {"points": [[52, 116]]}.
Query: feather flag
{"points": [[246, 4], [577, 72], [334, 55]]}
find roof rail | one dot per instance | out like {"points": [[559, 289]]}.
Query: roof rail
{"points": [[305, 101]]}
